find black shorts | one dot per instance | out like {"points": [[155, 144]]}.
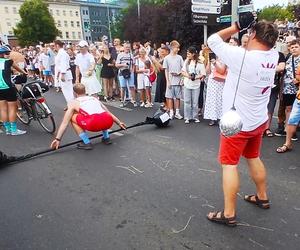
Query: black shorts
{"points": [[9, 95], [288, 99], [273, 100]]}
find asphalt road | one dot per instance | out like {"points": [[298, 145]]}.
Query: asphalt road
{"points": [[151, 189]]}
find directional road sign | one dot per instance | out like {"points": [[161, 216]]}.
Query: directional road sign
{"points": [[206, 9], [245, 8], [208, 2]]}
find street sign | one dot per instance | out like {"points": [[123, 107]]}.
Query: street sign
{"points": [[207, 2], [203, 9], [224, 19], [245, 8]]}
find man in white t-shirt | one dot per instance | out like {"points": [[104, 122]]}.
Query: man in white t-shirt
{"points": [[63, 73], [85, 65], [256, 81]]}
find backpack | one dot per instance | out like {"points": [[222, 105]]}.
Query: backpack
{"points": [[152, 76]]}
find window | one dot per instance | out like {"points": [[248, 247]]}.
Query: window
{"points": [[6, 9], [67, 34], [71, 13], [86, 38], [78, 24], [76, 13], [10, 32], [8, 24], [57, 12], [87, 12], [79, 35], [66, 23], [73, 35], [14, 10], [72, 23], [64, 12], [51, 11], [58, 23]]}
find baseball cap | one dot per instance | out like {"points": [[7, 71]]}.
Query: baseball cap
{"points": [[83, 44]]}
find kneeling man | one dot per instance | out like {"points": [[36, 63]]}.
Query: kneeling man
{"points": [[86, 113]]}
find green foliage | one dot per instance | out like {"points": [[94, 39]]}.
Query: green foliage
{"points": [[36, 25], [271, 13]]}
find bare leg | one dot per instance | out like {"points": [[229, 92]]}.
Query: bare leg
{"points": [[290, 131], [288, 110], [75, 126], [110, 87], [177, 103], [132, 90], [258, 174], [122, 93], [231, 184], [142, 94], [12, 111], [4, 111], [148, 94], [105, 86]]}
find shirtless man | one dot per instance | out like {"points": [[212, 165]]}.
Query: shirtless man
{"points": [[86, 113]]}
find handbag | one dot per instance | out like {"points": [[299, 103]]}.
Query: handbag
{"points": [[126, 73], [218, 76]]}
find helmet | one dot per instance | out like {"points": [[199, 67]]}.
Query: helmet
{"points": [[4, 49]]}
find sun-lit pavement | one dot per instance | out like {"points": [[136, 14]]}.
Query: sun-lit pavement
{"points": [[151, 189]]}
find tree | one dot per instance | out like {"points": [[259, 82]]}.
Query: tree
{"points": [[271, 13], [36, 25], [160, 21]]}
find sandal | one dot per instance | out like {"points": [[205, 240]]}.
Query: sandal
{"points": [[283, 149], [268, 133], [231, 222], [264, 204]]}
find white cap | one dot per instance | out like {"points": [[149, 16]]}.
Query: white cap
{"points": [[83, 44]]}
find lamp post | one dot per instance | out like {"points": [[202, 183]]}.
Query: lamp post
{"points": [[139, 16], [108, 20]]}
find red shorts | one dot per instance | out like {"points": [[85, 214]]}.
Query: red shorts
{"points": [[95, 122], [247, 144]]}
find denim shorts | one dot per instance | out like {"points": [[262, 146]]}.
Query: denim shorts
{"points": [[295, 114], [124, 82]]}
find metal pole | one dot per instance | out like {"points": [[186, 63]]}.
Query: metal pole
{"points": [[108, 19], [234, 12], [205, 34], [139, 9]]}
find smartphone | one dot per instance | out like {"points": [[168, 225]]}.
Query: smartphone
{"points": [[212, 56]]}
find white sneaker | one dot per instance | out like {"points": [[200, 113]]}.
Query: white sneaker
{"points": [[197, 121], [142, 104], [18, 132], [148, 105], [122, 105], [178, 116], [187, 121], [171, 114]]}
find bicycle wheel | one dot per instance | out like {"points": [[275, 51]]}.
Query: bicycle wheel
{"points": [[45, 119], [23, 113]]}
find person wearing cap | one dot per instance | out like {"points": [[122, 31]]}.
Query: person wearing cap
{"points": [[63, 73], [85, 66], [8, 93]]}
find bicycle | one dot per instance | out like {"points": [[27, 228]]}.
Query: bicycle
{"points": [[33, 106]]}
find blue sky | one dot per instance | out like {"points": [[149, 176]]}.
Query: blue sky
{"points": [[258, 4]]}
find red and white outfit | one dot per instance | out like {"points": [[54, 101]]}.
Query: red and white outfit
{"points": [[252, 99], [92, 117]]}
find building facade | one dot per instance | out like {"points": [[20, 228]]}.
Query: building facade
{"points": [[76, 19]]}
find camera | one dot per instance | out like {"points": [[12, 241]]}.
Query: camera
{"points": [[193, 76]]}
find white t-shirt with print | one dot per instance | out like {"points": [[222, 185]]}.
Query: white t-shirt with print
{"points": [[257, 78], [198, 69], [84, 62]]}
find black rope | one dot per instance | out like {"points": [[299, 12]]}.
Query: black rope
{"points": [[12, 160]]}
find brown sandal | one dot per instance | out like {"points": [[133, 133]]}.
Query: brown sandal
{"points": [[231, 222], [283, 149], [264, 204]]}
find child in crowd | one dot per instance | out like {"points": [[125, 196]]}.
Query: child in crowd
{"points": [[173, 64], [147, 83]]}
